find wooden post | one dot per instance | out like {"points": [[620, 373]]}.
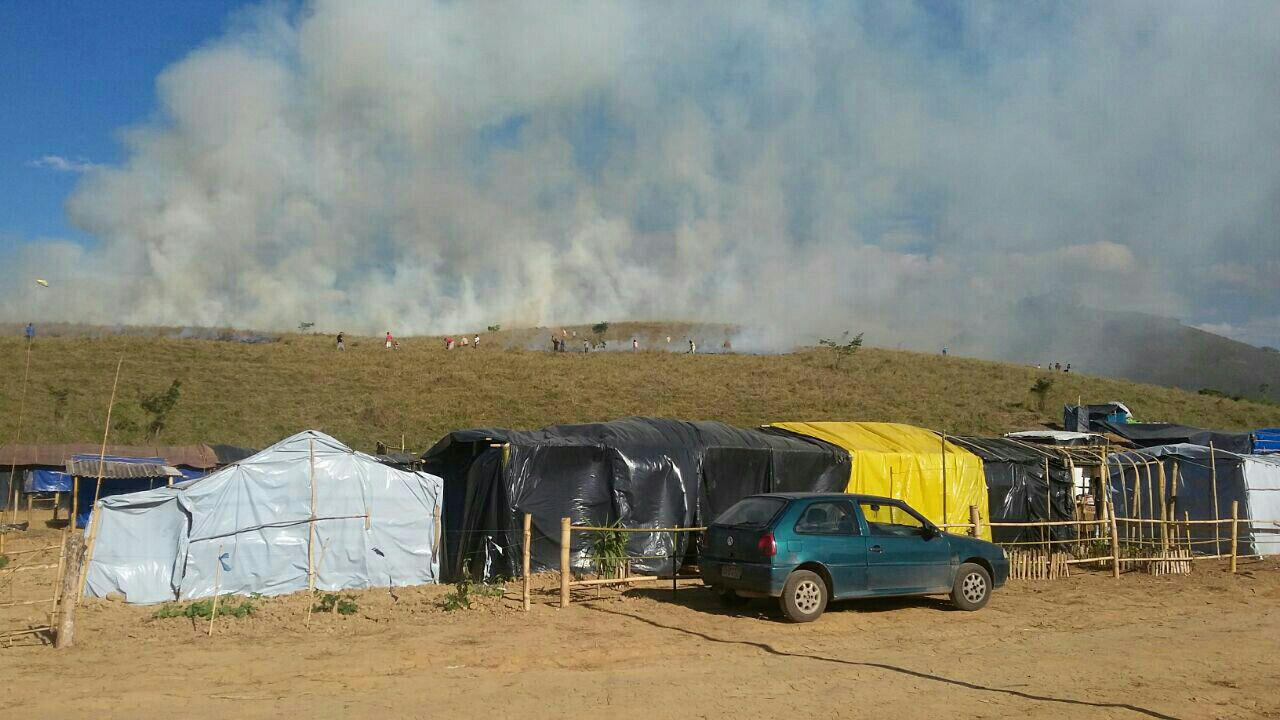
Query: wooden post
{"points": [[67, 596], [75, 500], [1213, 478], [945, 519], [95, 523], [1111, 517], [525, 551], [564, 562], [102, 454], [17, 438], [1164, 510], [974, 520], [217, 585], [1048, 508], [57, 503], [311, 524], [1235, 524]]}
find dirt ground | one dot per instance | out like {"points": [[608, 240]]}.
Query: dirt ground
{"points": [[1203, 646]]}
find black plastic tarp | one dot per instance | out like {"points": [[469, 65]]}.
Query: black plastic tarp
{"points": [[1085, 418], [228, 454], [1157, 434], [1017, 490], [1134, 484], [636, 472]]}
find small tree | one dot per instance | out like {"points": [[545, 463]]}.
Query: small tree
{"points": [[600, 328], [842, 348], [1041, 391], [59, 396], [159, 406]]}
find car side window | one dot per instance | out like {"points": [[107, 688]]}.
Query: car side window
{"points": [[827, 518], [890, 519]]}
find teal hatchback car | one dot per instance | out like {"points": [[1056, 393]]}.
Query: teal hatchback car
{"points": [[807, 549]]}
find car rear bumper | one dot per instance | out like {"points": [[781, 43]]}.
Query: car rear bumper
{"points": [[754, 577]]}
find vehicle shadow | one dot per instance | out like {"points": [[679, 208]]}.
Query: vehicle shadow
{"points": [[704, 599], [770, 649]]}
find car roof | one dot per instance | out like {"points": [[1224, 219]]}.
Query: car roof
{"points": [[831, 495]]}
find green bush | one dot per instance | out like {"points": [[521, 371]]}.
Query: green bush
{"points": [[609, 551], [204, 608], [333, 602], [465, 593], [4, 560]]}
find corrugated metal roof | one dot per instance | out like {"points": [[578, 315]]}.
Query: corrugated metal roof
{"points": [[200, 457], [118, 468]]}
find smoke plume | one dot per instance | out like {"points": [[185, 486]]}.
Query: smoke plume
{"points": [[889, 168]]}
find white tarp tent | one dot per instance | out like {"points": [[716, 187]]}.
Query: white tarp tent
{"points": [[1262, 480], [374, 525]]}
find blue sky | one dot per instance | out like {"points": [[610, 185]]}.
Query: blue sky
{"points": [[76, 71]]}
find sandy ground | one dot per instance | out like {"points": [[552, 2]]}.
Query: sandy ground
{"points": [[1203, 646]]}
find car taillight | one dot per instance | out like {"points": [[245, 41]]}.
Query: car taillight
{"points": [[768, 547]]}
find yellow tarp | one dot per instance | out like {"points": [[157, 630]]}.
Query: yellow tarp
{"points": [[906, 463]]}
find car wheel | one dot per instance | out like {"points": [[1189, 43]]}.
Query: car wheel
{"points": [[972, 588], [804, 597], [731, 599]]}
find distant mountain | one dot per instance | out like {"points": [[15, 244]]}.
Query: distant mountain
{"points": [[1131, 345]]}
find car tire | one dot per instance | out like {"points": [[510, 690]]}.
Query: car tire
{"points": [[731, 599], [804, 596], [972, 588]]}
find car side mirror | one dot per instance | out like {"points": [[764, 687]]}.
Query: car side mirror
{"points": [[929, 532]]}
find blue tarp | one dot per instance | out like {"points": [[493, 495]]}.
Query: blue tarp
{"points": [[1266, 440], [113, 486], [46, 480]]}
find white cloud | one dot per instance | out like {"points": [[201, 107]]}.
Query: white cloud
{"points": [[62, 164]]}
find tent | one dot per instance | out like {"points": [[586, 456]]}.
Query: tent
{"points": [[639, 472], [306, 502], [1266, 440], [119, 476], [1189, 473], [1085, 418], [1157, 434], [1017, 490], [906, 462], [40, 467]]}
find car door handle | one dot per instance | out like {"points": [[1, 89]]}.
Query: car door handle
{"points": [[876, 549]]}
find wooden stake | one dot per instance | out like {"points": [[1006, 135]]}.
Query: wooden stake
{"points": [[524, 552], [217, 585], [311, 524], [102, 453], [17, 438], [1111, 518], [67, 596], [1235, 524], [945, 519], [1213, 475], [974, 520], [564, 562], [95, 523]]}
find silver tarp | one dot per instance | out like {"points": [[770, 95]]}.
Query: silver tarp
{"points": [[247, 528]]}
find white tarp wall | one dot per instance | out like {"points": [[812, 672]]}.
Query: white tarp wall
{"points": [[374, 526], [1262, 482]]}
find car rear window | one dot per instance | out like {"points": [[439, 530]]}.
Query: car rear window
{"points": [[753, 512]]}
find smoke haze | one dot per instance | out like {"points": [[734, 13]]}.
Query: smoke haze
{"points": [[888, 167]]}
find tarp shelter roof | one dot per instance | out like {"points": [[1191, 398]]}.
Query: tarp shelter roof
{"points": [[907, 462], [1058, 437], [227, 454], [1016, 473], [115, 468], [306, 502], [56, 455], [1266, 440], [1156, 434]]}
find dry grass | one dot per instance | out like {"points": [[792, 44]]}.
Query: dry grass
{"points": [[256, 394]]}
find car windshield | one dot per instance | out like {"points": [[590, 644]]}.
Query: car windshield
{"points": [[751, 512]]}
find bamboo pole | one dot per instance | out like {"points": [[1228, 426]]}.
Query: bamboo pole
{"points": [[102, 452], [564, 562], [217, 585], [1150, 502], [17, 438], [1111, 518], [1235, 524], [1048, 507], [1213, 479], [311, 523], [974, 519], [75, 500], [1164, 509], [94, 524], [944, 479], [525, 551]]}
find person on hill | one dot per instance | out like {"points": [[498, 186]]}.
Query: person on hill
{"points": [[635, 344], [476, 343], [727, 346], [586, 346], [1067, 369], [390, 340], [30, 332], [341, 345], [693, 348]]}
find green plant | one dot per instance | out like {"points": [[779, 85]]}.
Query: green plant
{"points": [[1041, 390], [842, 348], [333, 602], [609, 550], [158, 406], [59, 397], [600, 328], [465, 593], [495, 328], [204, 608], [4, 561]]}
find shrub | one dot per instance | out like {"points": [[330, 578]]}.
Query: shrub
{"points": [[204, 608], [333, 602], [842, 348], [609, 551], [1041, 390], [465, 593], [600, 328]]}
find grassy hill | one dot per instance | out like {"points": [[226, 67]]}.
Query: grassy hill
{"points": [[256, 394]]}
